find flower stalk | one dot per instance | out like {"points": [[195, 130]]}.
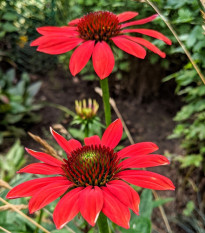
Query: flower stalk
{"points": [[102, 224], [106, 96]]}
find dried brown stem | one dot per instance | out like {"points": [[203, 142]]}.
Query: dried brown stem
{"points": [[177, 38], [13, 207], [4, 230], [113, 104]]}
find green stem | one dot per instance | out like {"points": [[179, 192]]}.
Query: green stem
{"points": [[102, 224], [39, 220], [106, 96], [86, 131]]}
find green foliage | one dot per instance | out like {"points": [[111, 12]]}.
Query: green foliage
{"points": [[18, 24], [190, 119], [11, 161], [17, 103], [142, 223]]}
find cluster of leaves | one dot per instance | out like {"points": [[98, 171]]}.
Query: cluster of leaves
{"points": [[190, 119], [18, 28], [17, 103]]}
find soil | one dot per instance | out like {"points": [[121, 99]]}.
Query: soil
{"points": [[149, 120]]}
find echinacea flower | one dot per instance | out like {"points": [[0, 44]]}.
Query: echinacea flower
{"points": [[93, 178], [93, 34]]}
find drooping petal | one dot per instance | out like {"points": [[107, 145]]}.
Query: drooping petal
{"points": [[57, 44], [48, 194], [46, 158], [129, 46], [112, 134], [126, 194], [140, 21], [149, 32], [67, 208], [151, 160], [115, 210], [103, 59], [29, 188], [127, 15], [93, 140], [81, 56], [38, 41], [51, 30], [74, 22], [67, 146], [91, 203], [146, 179], [147, 44], [41, 168], [137, 149]]}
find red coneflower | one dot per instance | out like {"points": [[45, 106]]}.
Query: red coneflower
{"points": [[93, 178], [93, 34]]}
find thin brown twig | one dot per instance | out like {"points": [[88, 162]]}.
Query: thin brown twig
{"points": [[113, 104], [177, 38], [47, 211], [6, 207], [4, 230], [24, 215]]}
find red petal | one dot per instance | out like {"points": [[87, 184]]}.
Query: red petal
{"points": [[137, 149], [126, 194], [81, 56], [127, 15], [67, 146], [149, 32], [115, 210], [50, 30], [41, 168], [103, 59], [139, 22], [44, 157], [74, 22], [147, 44], [57, 44], [112, 134], [29, 188], [91, 203], [129, 46], [146, 179], [38, 41], [93, 140], [144, 161], [67, 208], [48, 194]]}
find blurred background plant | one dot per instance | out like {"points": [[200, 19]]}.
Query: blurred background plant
{"points": [[17, 104]]}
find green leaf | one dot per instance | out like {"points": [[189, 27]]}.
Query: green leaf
{"points": [[8, 27], [11, 16], [161, 201], [146, 203], [34, 88]]}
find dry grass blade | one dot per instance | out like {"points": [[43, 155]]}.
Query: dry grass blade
{"points": [[13, 207], [46, 147], [4, 230], [5, 184], [177, 38], [6, 207]]}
